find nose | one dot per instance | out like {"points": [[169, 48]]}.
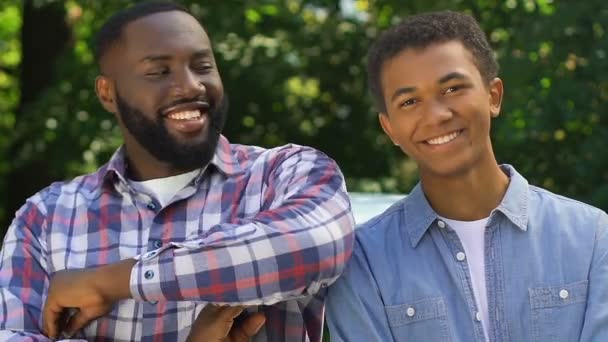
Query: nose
{"points": [[187, 84], [437, 112]]}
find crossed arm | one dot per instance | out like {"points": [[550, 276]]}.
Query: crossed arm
{"points": [[299, 243]]}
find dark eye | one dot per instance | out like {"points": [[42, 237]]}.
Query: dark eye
{"points": [[203, 67], [453, 89], [158, 72], [408, 102]]}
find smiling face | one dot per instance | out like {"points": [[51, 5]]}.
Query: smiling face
{"points": [[438, 108], [162, 82]]}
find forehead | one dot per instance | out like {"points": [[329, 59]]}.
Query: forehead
{"points": [[415, 67], [167, 33]]}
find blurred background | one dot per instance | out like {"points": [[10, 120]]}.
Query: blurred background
{"points": [[295, 72]]}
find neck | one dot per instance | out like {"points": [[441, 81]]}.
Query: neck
{"points": [[469, 196], [143, 166]]}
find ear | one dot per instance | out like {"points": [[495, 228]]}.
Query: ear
{"points": [[104, 88], [385, 122], [496, 92]]}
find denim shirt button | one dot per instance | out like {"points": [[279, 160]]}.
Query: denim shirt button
{"points": [[478, 316], [460, 256], [410, 311], [563, 294], [441, 224]]}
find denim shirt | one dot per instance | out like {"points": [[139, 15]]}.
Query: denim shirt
{"points": [[546, 266]]}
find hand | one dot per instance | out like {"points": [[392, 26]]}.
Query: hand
{"points": [[216, 323], [92, 292]]}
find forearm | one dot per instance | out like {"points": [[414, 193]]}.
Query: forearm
{"points": [[253, 272], [299, 241], [114, 279]]}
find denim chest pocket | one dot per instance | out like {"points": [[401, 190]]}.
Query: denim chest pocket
{"points": [[420, 320], [557, 312]]}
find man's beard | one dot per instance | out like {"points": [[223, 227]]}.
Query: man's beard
{"points": [[154, 136]]}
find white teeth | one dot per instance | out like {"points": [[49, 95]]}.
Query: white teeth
{"points": [[443, 139], [185, 115]]}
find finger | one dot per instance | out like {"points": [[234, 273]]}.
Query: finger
{"points": [[214, 323], [78, 320], [253, 323], [64, 319], [229, 313], [246, 330], [212, 313], [50, 317], [209, 312], [224, 320]]}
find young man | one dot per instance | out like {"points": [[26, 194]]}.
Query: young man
{"points": [[473, 253], [179, 216]]}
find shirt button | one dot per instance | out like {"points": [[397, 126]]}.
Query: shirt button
{"points": [[410, 311], [150, 254], [153, 302], [441, 224], [460, 256], [478, 316], [151, 206], [158, 244], [563, 294], [149, 274]]}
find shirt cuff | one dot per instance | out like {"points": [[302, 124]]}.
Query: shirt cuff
{"points": [[153, 276]]}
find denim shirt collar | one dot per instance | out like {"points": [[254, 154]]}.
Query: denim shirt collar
{"points": [[419, 215]]}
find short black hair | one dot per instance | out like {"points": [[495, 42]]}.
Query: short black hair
{"points": [[112, 29], [422, 30]]}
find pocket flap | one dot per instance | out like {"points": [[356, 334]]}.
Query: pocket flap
{"points": [[546, 297], [415, 311]]}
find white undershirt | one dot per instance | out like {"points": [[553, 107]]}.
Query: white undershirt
{"points": [[471, 235], [163, 189]]}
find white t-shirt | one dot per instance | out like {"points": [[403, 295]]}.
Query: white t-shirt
{"points": [[163, 189], [471, 235]]}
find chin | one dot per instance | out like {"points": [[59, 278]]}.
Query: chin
{"points": [[449, 168], [193, 139]]}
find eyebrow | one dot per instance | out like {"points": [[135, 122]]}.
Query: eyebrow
{"points": [[453, 76], [156, 58], [402, 91]]}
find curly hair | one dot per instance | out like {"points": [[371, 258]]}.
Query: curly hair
{"points": [[422, 30]]}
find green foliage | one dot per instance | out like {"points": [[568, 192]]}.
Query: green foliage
{"points": [[295, 72], [10, 26]]}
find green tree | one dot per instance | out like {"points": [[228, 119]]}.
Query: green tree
{"points": [[295, 72]]}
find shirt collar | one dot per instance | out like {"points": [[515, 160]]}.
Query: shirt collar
{"points": [[224, 159], [419, 215], [514, 204]]}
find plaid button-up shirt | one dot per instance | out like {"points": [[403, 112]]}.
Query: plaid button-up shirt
{"points": [[270, 228]]}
